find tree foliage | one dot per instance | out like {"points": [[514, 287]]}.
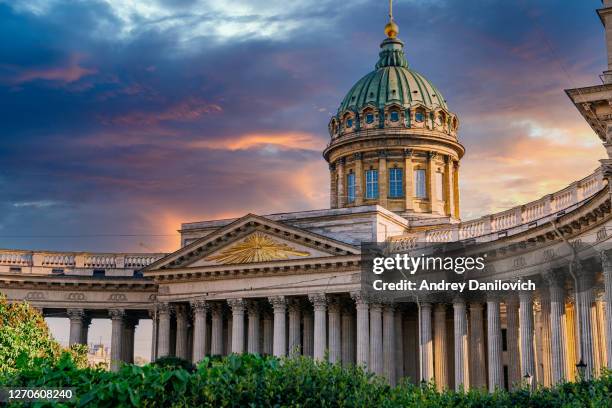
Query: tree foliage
{"points": [[254, 381], [25, 337]]}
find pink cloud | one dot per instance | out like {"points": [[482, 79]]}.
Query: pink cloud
{"points": [[186, 111], [70, 71]]}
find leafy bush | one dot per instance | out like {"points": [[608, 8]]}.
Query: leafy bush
{"points": [[174, 363], [25, 336], [254, 381]]}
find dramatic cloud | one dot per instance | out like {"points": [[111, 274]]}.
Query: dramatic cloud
{"points": [[122, 119]]}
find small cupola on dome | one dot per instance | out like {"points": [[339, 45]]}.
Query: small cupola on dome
{"points": [[394, 140]]}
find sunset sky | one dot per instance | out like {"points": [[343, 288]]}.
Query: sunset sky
{"points": [[120, 119]]}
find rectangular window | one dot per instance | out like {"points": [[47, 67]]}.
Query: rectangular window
{"points": [[439, 186], [15, 269], [372, 184], [420, 190], [350, 183], [396, 188]]}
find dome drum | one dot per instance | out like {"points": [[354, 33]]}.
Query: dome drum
{"points": [[393, 142]]}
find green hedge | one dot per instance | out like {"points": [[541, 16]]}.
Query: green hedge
{"points": [[253, 381]]}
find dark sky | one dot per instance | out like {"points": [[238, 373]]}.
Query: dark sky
{"points": [[121, 119]]}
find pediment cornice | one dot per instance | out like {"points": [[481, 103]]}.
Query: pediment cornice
{"points": [[247, 226]]}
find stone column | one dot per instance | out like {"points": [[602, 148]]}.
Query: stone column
{"points": [[295, 325], [216, 340], [584, 302], [440, 355], [237, 306], [229, 325], [334, 341], [341, 182], [426, 342], [399, 344], [526, 327], [319, 303], [268, 334], [76, 325], [163, 332], [308, 321], [200, 308], [376, 345], [408, 177], [546, 357], [478, 373], [557, 335], [449, 200], [606, 263], [253, 309], [85, 330], [116, 316], [599, 316], [512, 337], [358, 157], [461, 345], [279, 303], [494, 337], [389, 357], [382, 178], [363, 328], [127, 348], [348, 334], [411, 339], [154, 331], [431, 181], [181, 332], [333, 187], [571, 339], [456, 188]]}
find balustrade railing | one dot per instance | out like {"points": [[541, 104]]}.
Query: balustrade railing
{"points": [[510, 221], [76, 260]]}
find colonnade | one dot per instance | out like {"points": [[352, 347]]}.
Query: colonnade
{"points": [[123, 328], [496, 342], [493, 342]]}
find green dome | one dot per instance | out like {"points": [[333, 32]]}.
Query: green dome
{"points": [[392, 82]]}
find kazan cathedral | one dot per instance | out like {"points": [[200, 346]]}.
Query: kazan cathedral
{"points": [[290, 284]]}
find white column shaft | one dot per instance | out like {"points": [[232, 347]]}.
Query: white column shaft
{"points": [[376, 345], [461, 345], [494, 337], [389, 358], [426, 343]]}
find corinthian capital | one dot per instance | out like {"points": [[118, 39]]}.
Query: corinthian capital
{"points": [[237, 305], [318, 300], [606, 261], [75, 314], [116, 314], [199, 305], [279, 303]]}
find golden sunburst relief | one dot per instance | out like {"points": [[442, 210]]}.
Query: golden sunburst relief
{"points": [[256, 248]]}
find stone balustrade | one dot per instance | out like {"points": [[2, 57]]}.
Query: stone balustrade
{"points": [[511, 221], [46, 262]]}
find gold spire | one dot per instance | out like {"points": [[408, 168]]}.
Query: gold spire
{"points": [[391, 29]]}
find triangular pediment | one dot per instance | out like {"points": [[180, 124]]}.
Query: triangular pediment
{"points": [[253, 239]]}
